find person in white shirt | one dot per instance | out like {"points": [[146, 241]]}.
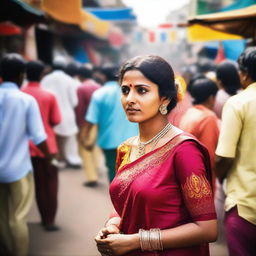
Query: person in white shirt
{"points": [[64, 88]]}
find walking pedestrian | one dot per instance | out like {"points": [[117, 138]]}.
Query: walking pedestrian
{"points": [[20, 120], [89, 157], [236, 160], [105, 111], [45, 174]]}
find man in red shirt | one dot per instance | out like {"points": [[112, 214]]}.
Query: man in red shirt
{"points": [[84, 93], [45, 174]]}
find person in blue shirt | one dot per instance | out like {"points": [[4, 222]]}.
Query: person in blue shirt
{"points": [[20, 120], [106, 112]]}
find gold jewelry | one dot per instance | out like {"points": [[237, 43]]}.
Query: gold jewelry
{"points": [[163, 109], [140, 151]]}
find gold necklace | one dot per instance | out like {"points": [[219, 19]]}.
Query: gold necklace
{"points": [[141, 148]]}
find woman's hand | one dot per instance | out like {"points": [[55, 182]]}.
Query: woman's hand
{"points": [[110, 229], [117, 244]]}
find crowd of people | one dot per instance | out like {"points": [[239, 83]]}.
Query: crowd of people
{"points": [[180, 163]]}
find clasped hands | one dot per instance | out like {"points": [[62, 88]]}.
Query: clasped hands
{"points": [[110, 242]]}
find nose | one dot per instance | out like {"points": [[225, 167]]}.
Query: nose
{"points": [[131, 97]]}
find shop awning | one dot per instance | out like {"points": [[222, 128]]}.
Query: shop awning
{"points": [[113, 14], [20, 13], [70, 11], [9, 29], [241, 22], [201, 33]]}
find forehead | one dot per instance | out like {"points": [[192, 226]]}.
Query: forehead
{"points": [[135, 76]]}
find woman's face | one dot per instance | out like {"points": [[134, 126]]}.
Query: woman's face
{"points": [[140, 97]]}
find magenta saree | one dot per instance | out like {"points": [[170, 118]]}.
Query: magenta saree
{"points": [[165, 188]]}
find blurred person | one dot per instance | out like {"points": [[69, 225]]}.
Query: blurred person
{"points": [[64, 88], [84, 93], [162, 191], [236, 160], [20, 120], [45, 174], [177, 113], [99, 76], [229, 83], [200, 120], [72, 70], [106, 113]]}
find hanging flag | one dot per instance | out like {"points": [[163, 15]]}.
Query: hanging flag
{"points": [[163, 36], [220, 54], [173, 35], [151, 36], [138, 36]]}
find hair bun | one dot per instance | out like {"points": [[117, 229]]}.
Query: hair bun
{"points": [[181, 87]]}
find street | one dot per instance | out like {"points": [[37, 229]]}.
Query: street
{"points": [[82, 212]]}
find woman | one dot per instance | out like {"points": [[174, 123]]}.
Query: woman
{"points": [[161, 192], [199, 120]]}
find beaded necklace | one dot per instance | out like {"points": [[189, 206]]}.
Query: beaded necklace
{"points": [[141, 148]]}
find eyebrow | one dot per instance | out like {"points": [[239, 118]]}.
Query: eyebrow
{"points": [[137, 85]]}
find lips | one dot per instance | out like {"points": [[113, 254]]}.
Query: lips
{"points": [[132, 110]]}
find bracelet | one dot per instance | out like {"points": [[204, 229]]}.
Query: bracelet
{"points": [[150, 240]]}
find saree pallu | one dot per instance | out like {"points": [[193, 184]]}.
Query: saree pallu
{"points": [[165, 188]]}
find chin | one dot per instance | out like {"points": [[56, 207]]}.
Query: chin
{"points": [[133, 119]]}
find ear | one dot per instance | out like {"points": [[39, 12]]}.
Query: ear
{"points": [[165, 101]]}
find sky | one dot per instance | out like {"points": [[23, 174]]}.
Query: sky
{"points": [[151, 13]]}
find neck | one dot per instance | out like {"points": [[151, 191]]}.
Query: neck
{"points": [[148, 130], [247, 83]]}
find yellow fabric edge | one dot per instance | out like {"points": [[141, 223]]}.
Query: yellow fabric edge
{"points": [[199, 33]]}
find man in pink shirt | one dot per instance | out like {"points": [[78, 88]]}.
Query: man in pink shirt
{"points": [[84, 93], [45, 174]]}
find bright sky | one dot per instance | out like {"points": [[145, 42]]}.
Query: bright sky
{"points": [[151, 13]]}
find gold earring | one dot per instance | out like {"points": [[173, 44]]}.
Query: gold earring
{"points": [[163, 109]]}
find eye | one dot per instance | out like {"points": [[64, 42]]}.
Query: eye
{"points": [[142, 90], [125, 89]]}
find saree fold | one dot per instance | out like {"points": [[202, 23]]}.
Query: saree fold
{"points": [[165, 188]]}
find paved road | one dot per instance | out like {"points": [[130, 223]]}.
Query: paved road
{"points": [[82, 212]]}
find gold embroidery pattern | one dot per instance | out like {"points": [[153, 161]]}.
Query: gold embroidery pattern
{"points": [[196, 187], [198, 195], [127, 175], [125, 151]]}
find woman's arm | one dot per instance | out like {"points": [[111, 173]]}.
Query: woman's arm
{"points": [[182, 236], [190, 234]]}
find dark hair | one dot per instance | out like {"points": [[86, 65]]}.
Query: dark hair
{"points": [[158, 71], [85, 71], [227, 73], [12, 66], [110, 72], [72, 69], [247, 62], [201, 89], [193, 79], [59, 64], [34, 70]]}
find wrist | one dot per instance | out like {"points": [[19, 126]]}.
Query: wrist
{"points": [[135, 241]]}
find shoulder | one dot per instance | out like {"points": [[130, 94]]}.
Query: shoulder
{"points": [[188, 146], [127, 144], [99, 94]]}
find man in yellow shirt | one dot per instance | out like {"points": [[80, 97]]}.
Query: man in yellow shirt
{"points": [[236, 162]]}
